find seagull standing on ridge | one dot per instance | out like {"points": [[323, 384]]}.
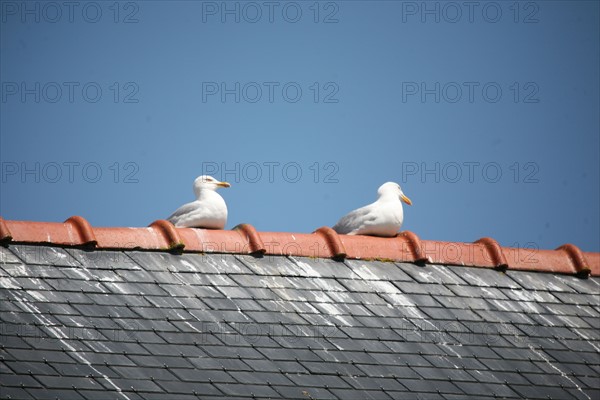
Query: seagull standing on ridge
{"points": [[208, 211], [381, 218]]}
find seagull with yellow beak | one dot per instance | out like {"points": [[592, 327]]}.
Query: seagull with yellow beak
{"points": [[207, 211], [381, 218]]}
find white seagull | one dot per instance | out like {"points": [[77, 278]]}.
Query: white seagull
{"points": [[381, 218], [208, 211]]}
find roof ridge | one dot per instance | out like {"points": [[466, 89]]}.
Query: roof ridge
{"points": [[323, 243]]}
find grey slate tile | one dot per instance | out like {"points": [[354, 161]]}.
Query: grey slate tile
{"points": [[165, 262], [43, 255], [112, 299], [131, 385], [184, 350], [388, 371], [486, 278], [326, 381], [377, 270], [232, 352], [313, 295], [292, 367], [360, 285], [7, 256], [135, 288], [258, 378], [417, 288], [34, 271], [447, 374], [261, 294], [465, 302], [221, 263], [537, 281], [193, 375], [325, 268], [196, 388], [482, 389], [504, 317], [463, 315], [289, 354], [228, 304], [518, 366], [555, 379], [580, 299], [376, 384], [113, 395], [591, 285], [378, 334], [355, 310], [53, 394], [225, 364], [295, 392], [104, 259], [158, 361], [412, 360], [275, 282], [243, 390], [572, 357], [76, 286], [24, 381], [541, 392], [287, 306], [584, 394], [352, 394], [38, 356], [431, 386], [575, 369], [431, 274], [530, 295], [453, 361], [58, 382], [332, 368], [476, 292], [26, 368], [16, 393], [276, 266], [100, 275], [135, 325]]}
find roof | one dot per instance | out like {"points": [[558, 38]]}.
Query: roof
{"points": [[91, 323], [323, 243]]}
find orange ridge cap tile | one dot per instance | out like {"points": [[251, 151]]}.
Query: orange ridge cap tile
{"points": [[83, 229], [495, 252], [577, 258], [168, 230], [255, 244], [5, 235], [336, 247], [323, 243], [415, 245]]}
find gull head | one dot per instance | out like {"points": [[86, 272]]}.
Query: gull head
{"points": [[392, 190], [207, 182]]}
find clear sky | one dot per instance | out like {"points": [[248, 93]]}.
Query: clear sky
{"points": [[486, 113]]}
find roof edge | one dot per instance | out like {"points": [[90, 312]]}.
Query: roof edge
{"points": [[161, 235]]}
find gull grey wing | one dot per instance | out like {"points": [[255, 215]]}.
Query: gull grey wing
{"points": [[353, 220], [185, 209]]}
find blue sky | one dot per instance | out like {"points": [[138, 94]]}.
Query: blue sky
{"points": [[487, 114]]}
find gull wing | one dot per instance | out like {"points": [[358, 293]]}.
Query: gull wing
{"points": [[354, 220], [184, 212]]}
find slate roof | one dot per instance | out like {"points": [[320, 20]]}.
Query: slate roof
{"points": [[139, 324]]}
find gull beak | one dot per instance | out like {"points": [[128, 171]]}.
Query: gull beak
{"points": [[406, 199], [223, 184]]}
